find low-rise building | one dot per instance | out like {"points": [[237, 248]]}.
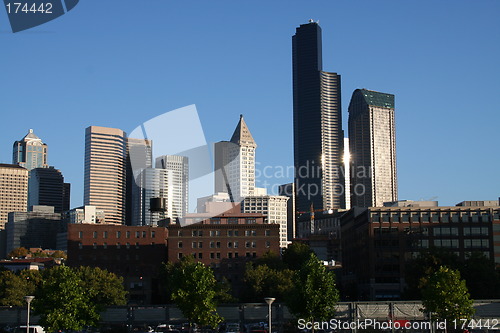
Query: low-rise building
{"points": [[377, 242]]}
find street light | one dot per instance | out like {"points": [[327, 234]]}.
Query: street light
{"points": [[28, 300], [269, 301]]}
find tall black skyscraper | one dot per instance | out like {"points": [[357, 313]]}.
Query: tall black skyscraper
{"points": [[317, 125]]}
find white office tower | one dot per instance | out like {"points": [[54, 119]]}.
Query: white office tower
{"points": [[235, 164], [177, 178], [274, 207]]}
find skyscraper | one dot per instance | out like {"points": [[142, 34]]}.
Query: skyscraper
{"points": [[235, 164], [13, 191], [30, 152], [171, 185], [46, 187], [104, 179], [139, 158], [317, 124], [372, 142]]}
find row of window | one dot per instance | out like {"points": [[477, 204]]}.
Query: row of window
{"points": [[118, 245], [479, 216], [217, 255], [118, 235], [217, 245], [229, 233]]}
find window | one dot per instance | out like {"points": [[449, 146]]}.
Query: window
{"points": [[179, 233], [118, 245], [215, 220], [212, 255], [217, 245], [268, 244], [143, 234], [229, 245], [80, 234], [229, 233], [232, 220], [179, 255], [254, 244], [94, 234], [230, 255], [200, 255], [104, 245], [153, 233], [212, 245], [235, 244], [268, 232], [200, 245], [179, 245], [217, 255], [250, 221], [248, 244], [118, 234], [94, 245], [137, 234], [127, 245], [127, 234], [104, 234], [236, 255], [194, 245], [80, 246]]}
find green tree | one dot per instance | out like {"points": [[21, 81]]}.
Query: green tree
{"points": [[59, 254], [193, 288], [264, 281], [445, 295], [63, 301], [423, 266], [315, 294], [104, 288], [296, 254], [13, 286]]}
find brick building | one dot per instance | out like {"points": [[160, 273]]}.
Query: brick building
{"points": [[225, 243], [135, 253], [377, 242]]}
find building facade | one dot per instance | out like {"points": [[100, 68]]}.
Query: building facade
{"points": [[30, 152], [134, 252], [378, 242], [372, 140], [225, 243], [288, 190], [104, 179], [139, 158], [170, 186], [46, 187], [274, 208], [235, 164], [85, 214], [35, 229], [317, 124], [13, 191]]}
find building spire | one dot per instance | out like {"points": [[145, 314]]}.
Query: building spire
{"points": [[242, 135]]}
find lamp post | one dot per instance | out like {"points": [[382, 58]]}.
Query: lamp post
{"points": [[28, 300], [269, 301]]}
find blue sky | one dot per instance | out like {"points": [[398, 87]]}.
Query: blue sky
{"points": [[120, 63]]}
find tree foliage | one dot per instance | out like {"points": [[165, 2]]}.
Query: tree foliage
{"points": [[104, 288], [445, 295], [296, 254], [314, 294], [264, 281], [482, 279], [63, 301], [193, 288], [19, 252], [14, 286]]}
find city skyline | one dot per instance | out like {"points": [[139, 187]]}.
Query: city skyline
{"points": [[418, 55]]}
